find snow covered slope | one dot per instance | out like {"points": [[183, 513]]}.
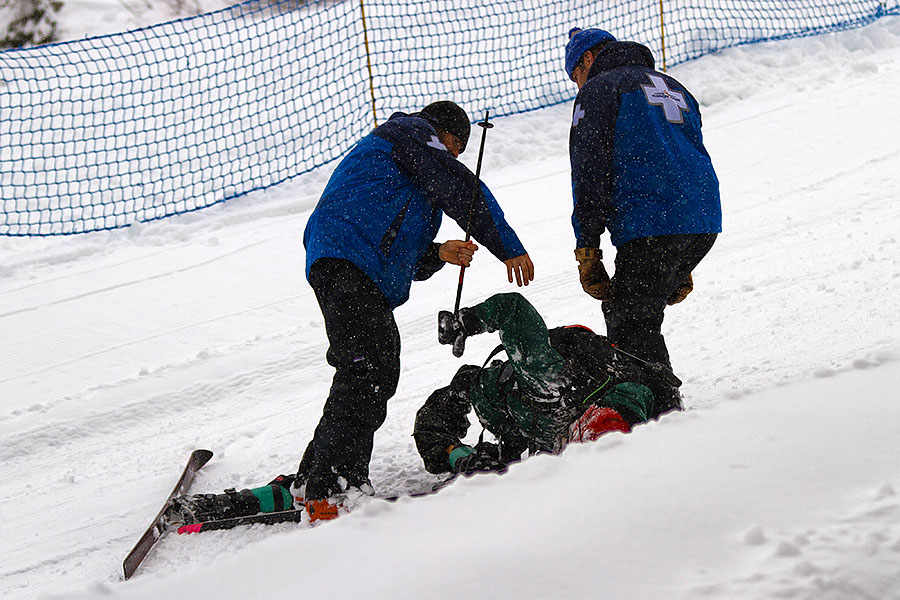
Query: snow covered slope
{"points": [[89, 18], [125, 350]]}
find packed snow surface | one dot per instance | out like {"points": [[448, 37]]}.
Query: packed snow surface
{"points": [[123, 351]]}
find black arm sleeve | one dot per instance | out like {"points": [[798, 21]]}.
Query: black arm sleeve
{"points": [[449, 184], [591, 154], [443, 420], [430, 264]]}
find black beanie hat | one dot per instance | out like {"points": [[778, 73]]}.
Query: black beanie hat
{"points": [[450, 117]]}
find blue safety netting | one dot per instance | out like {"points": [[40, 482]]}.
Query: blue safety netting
{"points": [[105, 132]]}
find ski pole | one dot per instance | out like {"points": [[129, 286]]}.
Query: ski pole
{"points": [[485, 125]]}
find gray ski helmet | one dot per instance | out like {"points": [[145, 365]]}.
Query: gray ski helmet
{"points": [[450, 117]]}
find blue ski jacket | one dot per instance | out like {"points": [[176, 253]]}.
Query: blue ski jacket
{"points": [[639, 167], [384, 202]]}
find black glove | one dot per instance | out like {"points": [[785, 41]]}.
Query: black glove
{"points": [[464, 459], [454, 328]]}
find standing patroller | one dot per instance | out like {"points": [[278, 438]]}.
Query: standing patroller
{"points": [[639, 170], [369, 237]]}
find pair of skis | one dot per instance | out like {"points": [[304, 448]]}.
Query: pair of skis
{"points": [[161, 525]]}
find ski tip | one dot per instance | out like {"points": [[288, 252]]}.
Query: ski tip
{"points": [[200, 457]]}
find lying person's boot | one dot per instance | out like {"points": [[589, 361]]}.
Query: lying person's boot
{"points": [[199, 508], [455, 328]]}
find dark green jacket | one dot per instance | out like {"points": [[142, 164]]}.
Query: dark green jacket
{"points": [[529, 400]]}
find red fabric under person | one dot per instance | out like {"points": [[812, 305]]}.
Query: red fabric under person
{"points": [[595, 422]]}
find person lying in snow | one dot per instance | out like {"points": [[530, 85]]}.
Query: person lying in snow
{"points": [[564, 385], [560, 386]]}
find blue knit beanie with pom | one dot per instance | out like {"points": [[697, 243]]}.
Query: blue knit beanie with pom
{"points": [[580, 41]]}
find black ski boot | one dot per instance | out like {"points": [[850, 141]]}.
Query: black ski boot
{"points": [[199, 508]]}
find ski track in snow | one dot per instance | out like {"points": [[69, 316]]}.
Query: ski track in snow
{"points": [[200, 331]]}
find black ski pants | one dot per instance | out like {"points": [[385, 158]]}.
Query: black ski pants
{"points": [[647, 271], [364, 349]]}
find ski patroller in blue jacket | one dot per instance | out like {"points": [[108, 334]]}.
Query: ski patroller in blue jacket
{"points": [[639, 167], [383, 205]]}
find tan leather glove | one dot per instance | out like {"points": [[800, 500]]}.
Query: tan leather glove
{"points": [[681, 291], [591, 272]]}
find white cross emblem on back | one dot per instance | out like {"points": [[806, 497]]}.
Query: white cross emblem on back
{"points": [[659, 94], [577, 115]]}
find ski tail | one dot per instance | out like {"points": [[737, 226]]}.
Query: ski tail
{"points": [[157, 528]]}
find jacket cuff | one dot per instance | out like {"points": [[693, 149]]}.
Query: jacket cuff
{"points": [[458, 453], [430, 264]]}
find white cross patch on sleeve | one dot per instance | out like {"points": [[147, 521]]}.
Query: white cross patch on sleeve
{"points": [[436, 143], [577, 115], [659, 94]]}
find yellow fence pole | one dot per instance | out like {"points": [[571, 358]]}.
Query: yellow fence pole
{"points": [[662, 34], [362, 10]]}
